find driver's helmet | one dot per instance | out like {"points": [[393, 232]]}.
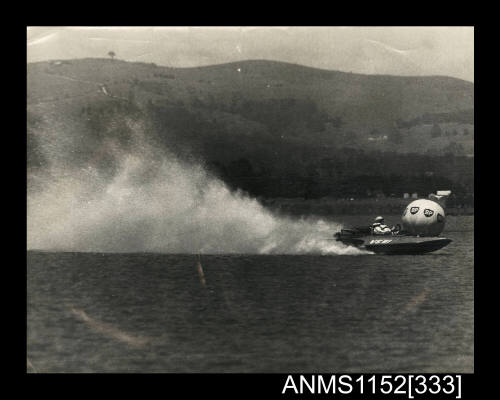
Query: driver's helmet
{"points": [[379, 219]]}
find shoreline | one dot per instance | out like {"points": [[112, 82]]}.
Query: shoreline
{"points": [[331, 207]]}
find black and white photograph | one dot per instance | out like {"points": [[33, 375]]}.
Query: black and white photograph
{"points": [[250, 199]]}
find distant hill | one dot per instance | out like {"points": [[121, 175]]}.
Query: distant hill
{"points": [[273, 114], [368, 111]]}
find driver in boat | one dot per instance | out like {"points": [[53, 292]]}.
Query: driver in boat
{"points": [[379, 228]]}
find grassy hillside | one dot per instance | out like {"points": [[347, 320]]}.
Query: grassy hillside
{"points": [[335, 107], [252, 121]]}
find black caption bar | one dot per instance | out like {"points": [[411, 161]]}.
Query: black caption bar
{"points": [[280, 385]]}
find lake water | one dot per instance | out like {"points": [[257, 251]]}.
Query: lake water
{"points": [[91, 312]]}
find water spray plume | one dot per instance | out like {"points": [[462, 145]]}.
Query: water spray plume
{"points": [[156, 202]]}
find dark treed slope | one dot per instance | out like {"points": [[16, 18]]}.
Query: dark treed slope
{"points": [[272, 128]]}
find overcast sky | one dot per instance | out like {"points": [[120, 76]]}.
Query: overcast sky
{"points": [[371, 50]]}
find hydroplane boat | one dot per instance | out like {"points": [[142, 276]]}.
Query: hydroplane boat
{"points": [[398, 242]]}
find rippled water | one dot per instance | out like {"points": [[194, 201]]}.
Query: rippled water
{"points": [[92, 312]]}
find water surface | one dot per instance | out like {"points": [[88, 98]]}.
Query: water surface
{"points": [[91, 312]]}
